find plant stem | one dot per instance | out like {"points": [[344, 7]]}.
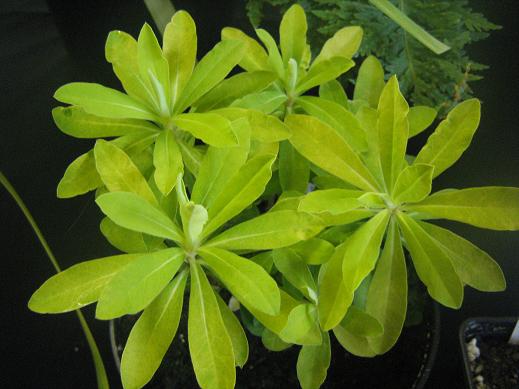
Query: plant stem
{"points": [[102, 379]]}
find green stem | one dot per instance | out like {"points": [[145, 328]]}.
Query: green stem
{"points": [[410, 26], [102, 379]]}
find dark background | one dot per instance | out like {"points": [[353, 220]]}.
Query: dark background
{"points": [[44, 45]]}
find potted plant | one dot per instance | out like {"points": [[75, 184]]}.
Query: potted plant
{"points": [[206, 187], [490, 351]]}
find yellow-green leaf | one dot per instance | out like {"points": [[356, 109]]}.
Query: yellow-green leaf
{"points": [[344, 43]]}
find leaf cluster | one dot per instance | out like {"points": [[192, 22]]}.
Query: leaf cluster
{"points": [[425, 78], [300, 206]]}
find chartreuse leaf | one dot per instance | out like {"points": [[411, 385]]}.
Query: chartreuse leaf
{"points": [[255, 57], [211, 69], [492, 207], [154, 68], [323, 146], [313, 362], [324, 71], [296, 271], [474, 266], [362, 250], [218, 165], [360, 323], [276, 323], [274, 57], [420, 117], [351, 333], [273, 342], [387, 294], [233, 88], [194, 217], [102, 101], [133, 212], [334, 298], [344, 43], [432, 264], [302, 326], [332, 201], [119, 173], [167, 160], [121, 52], [213, 129], [314, 251], [246, 280], [292, 33], [74, 121], [126, 240], [294, 171], [393, 131], [179, 46], [337, 117], [333, 91], [134, 287], [78, 285], [267, 128], [370, 81], [210, 346], [413, 183], [266, 102], [240, 345], [452, 137], [245, 186], [80, 177], [268, 231], [152, 335], [192, 156]]}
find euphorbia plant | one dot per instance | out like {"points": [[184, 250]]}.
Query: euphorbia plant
{"points": [[299, 264]]}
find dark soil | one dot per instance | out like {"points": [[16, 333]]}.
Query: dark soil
{"points": [[400, 368], [497, 366]]}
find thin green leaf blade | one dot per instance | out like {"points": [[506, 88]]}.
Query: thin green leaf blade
{"points": [[492, 207], [179, 46], [432, 264], [370, 81], [452, 137], [420, 117], [268, 231], [474, 266], [323, 72], [209, 343], [167, 160], [313, 363], [152, 335], [212, 128], [414, 183], [393, 131], [77, 286], [255, 57], [246, 280], [102, 101], [387, 294], [344, 43], [137, 285], [292, 33], [133, 212]]}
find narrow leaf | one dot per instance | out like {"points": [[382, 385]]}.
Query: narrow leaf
{"points": [[246, 280], [323, 72], [452, 137], [133, 212], [333, 91], [432, 264], [102, 101], [268, 231], [370, 81], [213, 129], [296, 271], [255, 57], [209, 343], [413, 183], [474, 266], [313, 363], [152, 335], [294, 171], [302, 326], [420, 117], [292, 33], [167, 160], [492, 207], [344, 43], [79, 285], [137, 285]]}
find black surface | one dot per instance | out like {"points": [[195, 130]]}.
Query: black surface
{"points": [[37, 57]]}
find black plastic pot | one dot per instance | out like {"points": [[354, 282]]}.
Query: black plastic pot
{"points": [[407, 365], [488, 332]]}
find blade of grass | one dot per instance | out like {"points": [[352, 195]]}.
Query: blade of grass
{"points": [[386, 7], [102, 379]]}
